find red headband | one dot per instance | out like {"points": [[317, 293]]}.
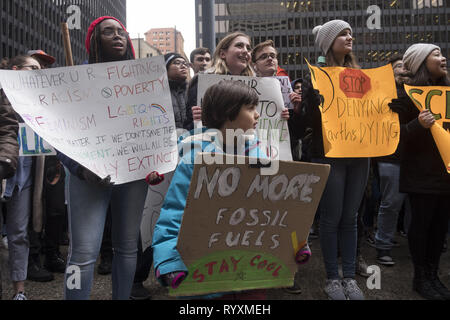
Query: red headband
{"points": [[92, 28]]}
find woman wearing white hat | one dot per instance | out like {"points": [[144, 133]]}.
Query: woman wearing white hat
{"points": [[348, 176], [422, 173]]}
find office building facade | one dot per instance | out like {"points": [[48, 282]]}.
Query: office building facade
{"points": [[144, 50], [166, 40], [380, 28], [36, 24]]}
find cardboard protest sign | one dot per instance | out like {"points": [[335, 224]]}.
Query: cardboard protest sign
{"points": [[30, 144], [286, 90], [238, 225], [272, 130], [152, 208], [113, 118], [437, 100], [356, 118]]}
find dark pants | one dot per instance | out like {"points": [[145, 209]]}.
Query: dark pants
{"points": [[106, 251], [429, 225], [144, 263]]}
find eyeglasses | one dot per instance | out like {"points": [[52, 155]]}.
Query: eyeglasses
{"points": [[32, 67], [109, 33], [179, 63], [265, 56]]}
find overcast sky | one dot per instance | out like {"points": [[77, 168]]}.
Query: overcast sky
{"points": [[143, 15]]}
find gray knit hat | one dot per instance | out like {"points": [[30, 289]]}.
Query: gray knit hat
{"points": [[327, 33], [416, 55]]}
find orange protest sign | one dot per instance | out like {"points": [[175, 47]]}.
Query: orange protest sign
{"points": [[356, 118], [437, 100]]}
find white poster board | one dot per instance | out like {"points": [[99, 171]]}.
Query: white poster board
{"points": [[286, 90], [272, 130], [152, 208], [113, 118]]}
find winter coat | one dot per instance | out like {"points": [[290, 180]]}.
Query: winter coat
{"points": [[36, 163], [9, 146], [191, 102], [421, 168], [178, 92], [166, 258], [309, 117]]}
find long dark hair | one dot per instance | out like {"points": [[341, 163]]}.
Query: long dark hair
{"points": [[423, 78], [350, 60], [97, 55]]}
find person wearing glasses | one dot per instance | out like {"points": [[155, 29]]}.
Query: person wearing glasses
{"points": [[18, 196], [177, 73], [89, 196]]}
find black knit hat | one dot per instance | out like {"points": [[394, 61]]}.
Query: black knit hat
{"points": [[170, 58]]}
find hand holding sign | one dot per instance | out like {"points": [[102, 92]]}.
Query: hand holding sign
{"points": [[115, 119], [426, 119], [241, 230], [356, 118]]}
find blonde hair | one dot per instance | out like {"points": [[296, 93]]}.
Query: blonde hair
{"points": [[219, 65]]}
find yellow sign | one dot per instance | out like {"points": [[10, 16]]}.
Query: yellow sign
{"points": [[356, 118], [437, 100]]}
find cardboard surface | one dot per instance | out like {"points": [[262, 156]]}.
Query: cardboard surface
{"points": [[238, 226]]}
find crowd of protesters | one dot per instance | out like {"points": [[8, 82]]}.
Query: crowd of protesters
{"points": [[44, 199]]}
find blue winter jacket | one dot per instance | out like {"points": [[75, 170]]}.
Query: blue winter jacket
{"points": [[165, 237]]}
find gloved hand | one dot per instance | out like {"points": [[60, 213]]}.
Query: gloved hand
{"points": [[92, 178], [303, 255], [172, 279], [154, 178]]}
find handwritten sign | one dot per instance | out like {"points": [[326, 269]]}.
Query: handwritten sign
{"points": [[356, 118], [113, 118], [238, 226], [286, 90], [272, 130], [152, 209], [437, 100], [30, 144]]}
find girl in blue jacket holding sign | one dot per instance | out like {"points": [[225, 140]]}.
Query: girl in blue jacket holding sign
{"points": [[226, 105]]}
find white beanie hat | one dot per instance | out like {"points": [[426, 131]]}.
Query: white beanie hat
{"points": [[327, 33], [416, 54]]}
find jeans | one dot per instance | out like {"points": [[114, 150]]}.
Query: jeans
{"points": [[339, 209], [88, 205], [18, 212], [391, 203]]}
